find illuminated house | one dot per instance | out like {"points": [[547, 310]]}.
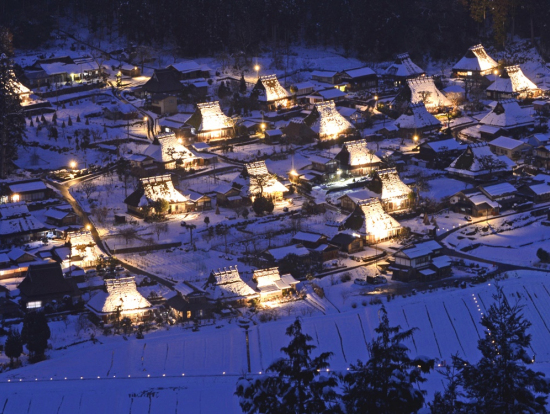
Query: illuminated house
{"points": [[475, 63], [508, 115], [513, 84], [423, 90], [226, 285], [211, 123], [403, 68], [272, 285], [259, 181], [120, 300], [416, 120], [168, 153], [357, 159], [270, 92], [153, 189], [395, 193], [372, 223], [327, 122]]}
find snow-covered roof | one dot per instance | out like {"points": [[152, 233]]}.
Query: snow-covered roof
{"points": [[331, 93], [476, 59], [506, 143], [359, 72], [186, 66], [270, 281], [282, 252], [479, 198], [28, 186], [392, 186], [324, 73], [404, 67], [330, 123], [168, 149], [423, 90], [441, 261], [377, 222], [213, 117], [307, 237], [8, 210], [25, 224], [60, 67], [257, 168], [359, 153], [520, 82], [443, 145], [417, 117], [227, 284], [161, 187], [503, 85], [273, 89], [499, 189], [361, 195], [121, 294], [56, 214], [507, 114], [470, 162], [540, 189]]}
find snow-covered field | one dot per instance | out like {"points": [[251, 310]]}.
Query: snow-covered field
{"points": [[187, 368]]}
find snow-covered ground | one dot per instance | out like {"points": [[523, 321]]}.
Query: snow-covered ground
{"points": [[186, 368]]}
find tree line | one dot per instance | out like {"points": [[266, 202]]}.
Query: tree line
{"points": [[390, 381], [370, 30]]}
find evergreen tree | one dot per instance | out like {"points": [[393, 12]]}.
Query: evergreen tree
{"points": [[70, 122], [222, 91], [14, 346], [12, 120], [388, 382], [78, 118], [35, 333], [298, 387], [242, 84], [448, 401], [262, 204], [500, 382]]}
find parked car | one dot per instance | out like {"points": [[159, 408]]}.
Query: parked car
{"points": [[119, 269], [467, 218], [360, 281]]}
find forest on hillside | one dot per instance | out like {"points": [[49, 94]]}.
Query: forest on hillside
{"points": [[368, 29]]}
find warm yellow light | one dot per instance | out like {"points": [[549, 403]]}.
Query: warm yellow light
{"points": [[262, 126], [145, 118], [88, 227], [257, 68], [495, 71], [73, 164], [119, 73], [15, 197], [293, 172], [180, 140], [415, 138], [375, 97], [135, 67]]}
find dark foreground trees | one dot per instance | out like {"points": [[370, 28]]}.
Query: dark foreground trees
{"points": [[500, 382], [300, 385], [35, 334]]}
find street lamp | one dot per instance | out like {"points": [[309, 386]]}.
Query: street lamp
{"points": [[415, 138], [376, 101], [88, 227], [257, 69], [73, 165]]}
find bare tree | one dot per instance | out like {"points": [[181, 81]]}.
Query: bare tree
{"points": [[261, 181], [89, 188], [128, 234], [491, 163], [160, 228]]}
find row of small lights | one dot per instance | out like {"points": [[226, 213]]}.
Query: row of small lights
{"points": [[129, 376]]}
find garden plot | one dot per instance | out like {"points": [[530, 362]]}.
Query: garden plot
{"points": [[513, 239]]}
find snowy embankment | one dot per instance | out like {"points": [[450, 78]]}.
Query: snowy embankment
{"points": [[448, 322]]}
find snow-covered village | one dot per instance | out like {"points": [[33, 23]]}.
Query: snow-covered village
{"points": [[249, 206]]}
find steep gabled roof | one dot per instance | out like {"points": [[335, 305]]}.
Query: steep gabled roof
{"points": [[507, 114], [392, 186], [476, 59], [520, 82], [404, 67], [417, 117], [227, 284], [273, 89], [163, 81], [45, 279], [376, 220], [167, 148], [470, 162], [121, 295], [161, 187], [209, 117], [359, 153], [423, 90], [327, 121]]}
